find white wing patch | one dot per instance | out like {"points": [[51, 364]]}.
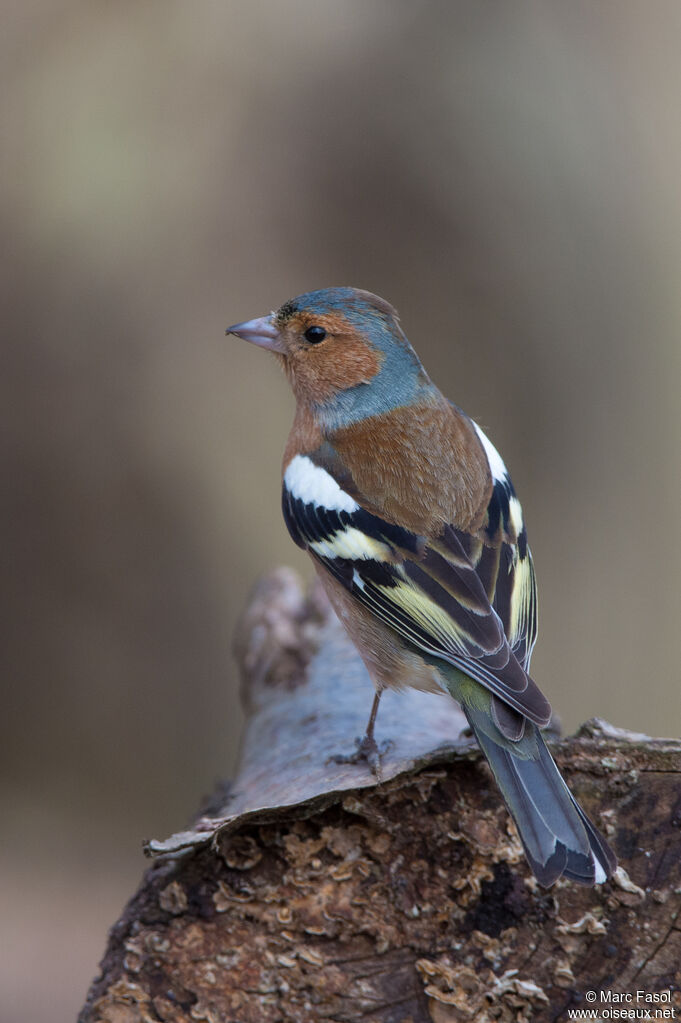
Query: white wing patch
{"points": [[496, 462], [314, 485]]}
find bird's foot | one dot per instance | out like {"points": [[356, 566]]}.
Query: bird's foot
{"points": [[368, 752]]}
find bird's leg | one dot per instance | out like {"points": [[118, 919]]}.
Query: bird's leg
{"points": [[369, 735], [367, 747]]}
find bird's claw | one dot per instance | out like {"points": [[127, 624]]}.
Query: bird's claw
{"points": [[368, 752]]}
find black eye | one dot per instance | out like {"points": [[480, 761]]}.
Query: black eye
{"points": [[315, 334]]}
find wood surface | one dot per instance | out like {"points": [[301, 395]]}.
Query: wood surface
{"points": [[308, 890]]}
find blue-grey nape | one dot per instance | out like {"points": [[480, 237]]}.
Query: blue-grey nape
{"points": [[401, 381]]}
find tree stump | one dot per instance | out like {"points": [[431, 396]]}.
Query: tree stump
{"points": [[307, 891]]}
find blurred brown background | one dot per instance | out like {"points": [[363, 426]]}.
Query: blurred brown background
{"points": [[507, 175]]}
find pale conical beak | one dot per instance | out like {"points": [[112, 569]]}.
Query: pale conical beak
{"points": [[262, 332]]}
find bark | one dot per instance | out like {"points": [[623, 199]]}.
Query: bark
{"points": [[307, 891]]}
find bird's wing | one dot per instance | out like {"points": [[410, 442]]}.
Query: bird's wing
{"points": [[502, 559], [432, 593]]}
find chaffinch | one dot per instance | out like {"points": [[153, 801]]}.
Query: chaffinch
{"points": [[415, 530]]}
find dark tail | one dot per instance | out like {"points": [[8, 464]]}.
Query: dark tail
{"points": [[558, 837]]}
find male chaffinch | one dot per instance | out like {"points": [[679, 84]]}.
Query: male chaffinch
{"points": [[415, 530]]}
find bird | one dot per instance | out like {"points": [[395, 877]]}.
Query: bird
{"points": [[415, 530]]}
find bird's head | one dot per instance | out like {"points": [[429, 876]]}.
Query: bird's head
{"points": [[344, 353]]}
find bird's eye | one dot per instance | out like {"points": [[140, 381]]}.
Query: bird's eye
{"points": [[315, 334]]}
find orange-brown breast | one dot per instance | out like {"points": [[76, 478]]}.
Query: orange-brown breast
{"points": [[305, 435], [420, 466]]}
